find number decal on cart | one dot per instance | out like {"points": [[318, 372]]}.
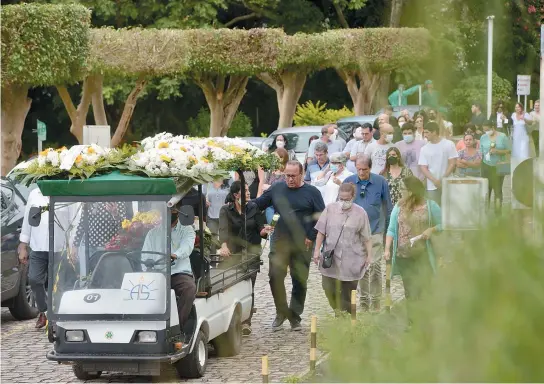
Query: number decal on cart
{"points": [[91, 298]]}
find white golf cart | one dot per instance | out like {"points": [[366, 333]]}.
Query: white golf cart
{"points": [[111, 309]]}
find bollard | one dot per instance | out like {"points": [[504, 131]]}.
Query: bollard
{"points": [[353, 307], [388, 287], [313, 344], [265, 368]]}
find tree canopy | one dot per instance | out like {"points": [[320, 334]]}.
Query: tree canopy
{"points": [[44, 44]]}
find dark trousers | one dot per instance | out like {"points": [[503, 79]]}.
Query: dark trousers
{"points": [[495, 182], [297, 258], [37, 276], [339, 293], [185, 288], [415, 272]]}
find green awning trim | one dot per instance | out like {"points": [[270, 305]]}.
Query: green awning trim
{"points": [[111, 184]]}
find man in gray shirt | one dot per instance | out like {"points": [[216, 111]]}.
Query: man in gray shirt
{"points": [[328, 137]]}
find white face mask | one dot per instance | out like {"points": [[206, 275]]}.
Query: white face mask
{"points": [[280, 144], [401, 124], [489, 133], [358, 135], [346, 205], [389, 138], [333, 137]]}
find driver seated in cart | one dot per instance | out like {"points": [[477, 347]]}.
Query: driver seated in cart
{"points": [[182, 280]]}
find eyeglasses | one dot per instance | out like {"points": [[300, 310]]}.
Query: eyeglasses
{"points": [[363, 191]]}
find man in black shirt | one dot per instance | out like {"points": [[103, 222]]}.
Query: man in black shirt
{"points": [[299, 206]]}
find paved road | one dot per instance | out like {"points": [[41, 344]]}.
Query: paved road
{"points": [[24, 348]]}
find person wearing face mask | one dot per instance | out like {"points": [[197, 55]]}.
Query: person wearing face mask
{"points": [[377, 151], [395, 172], [494, 148], [183, 242], [282, 142], [231, 230], [330, 183], [410, 148], [357, 136], [344, 227]]}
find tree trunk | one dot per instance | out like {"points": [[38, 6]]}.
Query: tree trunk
{"points": [[128, 110], [15, 107], [78, 116], [99, 111], [223, 99], [288, 87], [362, 87], [394, 22]]}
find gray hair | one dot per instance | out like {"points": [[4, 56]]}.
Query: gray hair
{"points": [[321, 147], [363, 160], [338, 157]]}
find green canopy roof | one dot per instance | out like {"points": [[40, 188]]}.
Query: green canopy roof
{"points": [[111, 184]]}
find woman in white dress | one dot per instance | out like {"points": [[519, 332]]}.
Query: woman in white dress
{"points": [[520, 138], [329, 181]]}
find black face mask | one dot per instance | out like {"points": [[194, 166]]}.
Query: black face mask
{"points": [[392, 160]]}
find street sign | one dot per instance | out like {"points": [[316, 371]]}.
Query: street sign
{"points": [[524, 85], [464, 203], [42, 131]]}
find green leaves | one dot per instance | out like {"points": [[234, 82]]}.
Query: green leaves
{"points": [[318, 114], [44, 44]]}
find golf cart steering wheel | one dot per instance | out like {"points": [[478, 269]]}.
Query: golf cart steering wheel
{"points": [[150, 264]]}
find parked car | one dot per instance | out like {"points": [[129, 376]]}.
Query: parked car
{"points": [[15, 290], [299, 138], [348, 124], [255, 141]]}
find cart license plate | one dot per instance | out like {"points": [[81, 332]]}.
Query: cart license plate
{"points": [[112, 367]]}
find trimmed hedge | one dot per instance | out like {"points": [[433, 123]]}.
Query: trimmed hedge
{"points": [[44, 44]]}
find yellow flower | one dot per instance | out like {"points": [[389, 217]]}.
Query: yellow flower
{"points": [[204, 160], [79, 159], [61, 149], [45, 152], [163, 144], [166, 159], [193, 159], [125, 224], [90, 150], [183, 149]]}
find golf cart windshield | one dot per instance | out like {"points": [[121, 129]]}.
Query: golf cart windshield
{"points": [[113, 257]]}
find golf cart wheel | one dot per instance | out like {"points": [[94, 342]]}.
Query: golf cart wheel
{"points": [[194, 364], [230, 342], [81, 374], [24, 304]]}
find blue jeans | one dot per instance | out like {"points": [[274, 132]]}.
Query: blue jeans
{"points": [[269, 213]]}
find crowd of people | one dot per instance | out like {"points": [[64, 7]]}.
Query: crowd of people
{"points": [[349, 207]]}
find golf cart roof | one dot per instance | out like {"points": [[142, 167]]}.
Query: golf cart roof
{"points": [[111, 184]]}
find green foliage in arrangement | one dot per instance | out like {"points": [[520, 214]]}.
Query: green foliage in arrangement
{"points": [[473, 89], [200, 125], [318, 114], [44, 44], [478, 321]]}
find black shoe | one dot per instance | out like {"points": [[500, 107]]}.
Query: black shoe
{"points": [[296, 326], [278, 322]]}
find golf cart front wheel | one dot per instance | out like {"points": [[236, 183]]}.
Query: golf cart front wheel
{"points": [[194, 364], [81, 374]]}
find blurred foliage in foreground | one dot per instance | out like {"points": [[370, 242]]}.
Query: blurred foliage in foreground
{"points": [[480, 321]]}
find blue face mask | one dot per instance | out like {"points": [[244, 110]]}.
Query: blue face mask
{"points": [[408, 138], [334, 168]]}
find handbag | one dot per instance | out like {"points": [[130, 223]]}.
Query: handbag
{"points": [[503, 167], [328, 256]]}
